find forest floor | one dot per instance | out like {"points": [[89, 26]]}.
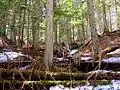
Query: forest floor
{"points": [[24, 65], [106, 43]]}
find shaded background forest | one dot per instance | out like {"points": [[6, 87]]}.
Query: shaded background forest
{"points": [[25, 20]]}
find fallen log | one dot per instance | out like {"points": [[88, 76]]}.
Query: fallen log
{"points": [[21, 75], [40, 75]]}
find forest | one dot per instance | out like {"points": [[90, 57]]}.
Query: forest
{"points": [[59, 45]]}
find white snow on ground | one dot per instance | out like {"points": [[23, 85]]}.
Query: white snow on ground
{"points": [[112, 59], [100, 71], [4, 57], [73, 51], [108, 60], [117, 51], [115, 85], [85, 58]]}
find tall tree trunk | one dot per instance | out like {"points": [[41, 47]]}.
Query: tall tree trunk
{"points": [[83, 32], [19, 31], [20, 24], [60, 31], [106, 30], [23, 23], [48, 56], [13, 30], [69, 33], [55, 32], [73, 30], [55, 24], [35, 26], [110, 23], [23, 27], [99, 22], [118, 26], [79, 32], [28, 28], [83, 29], [94, 36]]}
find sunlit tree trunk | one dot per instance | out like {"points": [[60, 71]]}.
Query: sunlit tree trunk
{"points": [[94, 36], [98, 18], [118, 26], [48, 56], [110, 23], [69, 33]]}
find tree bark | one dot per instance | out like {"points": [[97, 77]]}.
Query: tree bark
{"points": [[94, 35], [48, 56], [55, 32], [110, 23], [13, 30], [19, 29], [106, 30], [28, 27], [35, 25], [118, 26]]}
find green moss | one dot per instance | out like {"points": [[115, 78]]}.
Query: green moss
{"points": [[65, 83], [103, 82]]}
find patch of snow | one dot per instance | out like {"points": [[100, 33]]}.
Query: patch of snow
{"points": [[4, 57], [24, 68], [115, 85], [7, 50], [73, 51], [115, 52], [100, 71], [112, 59], [89, 53], [60, 59], [86, 58]]}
